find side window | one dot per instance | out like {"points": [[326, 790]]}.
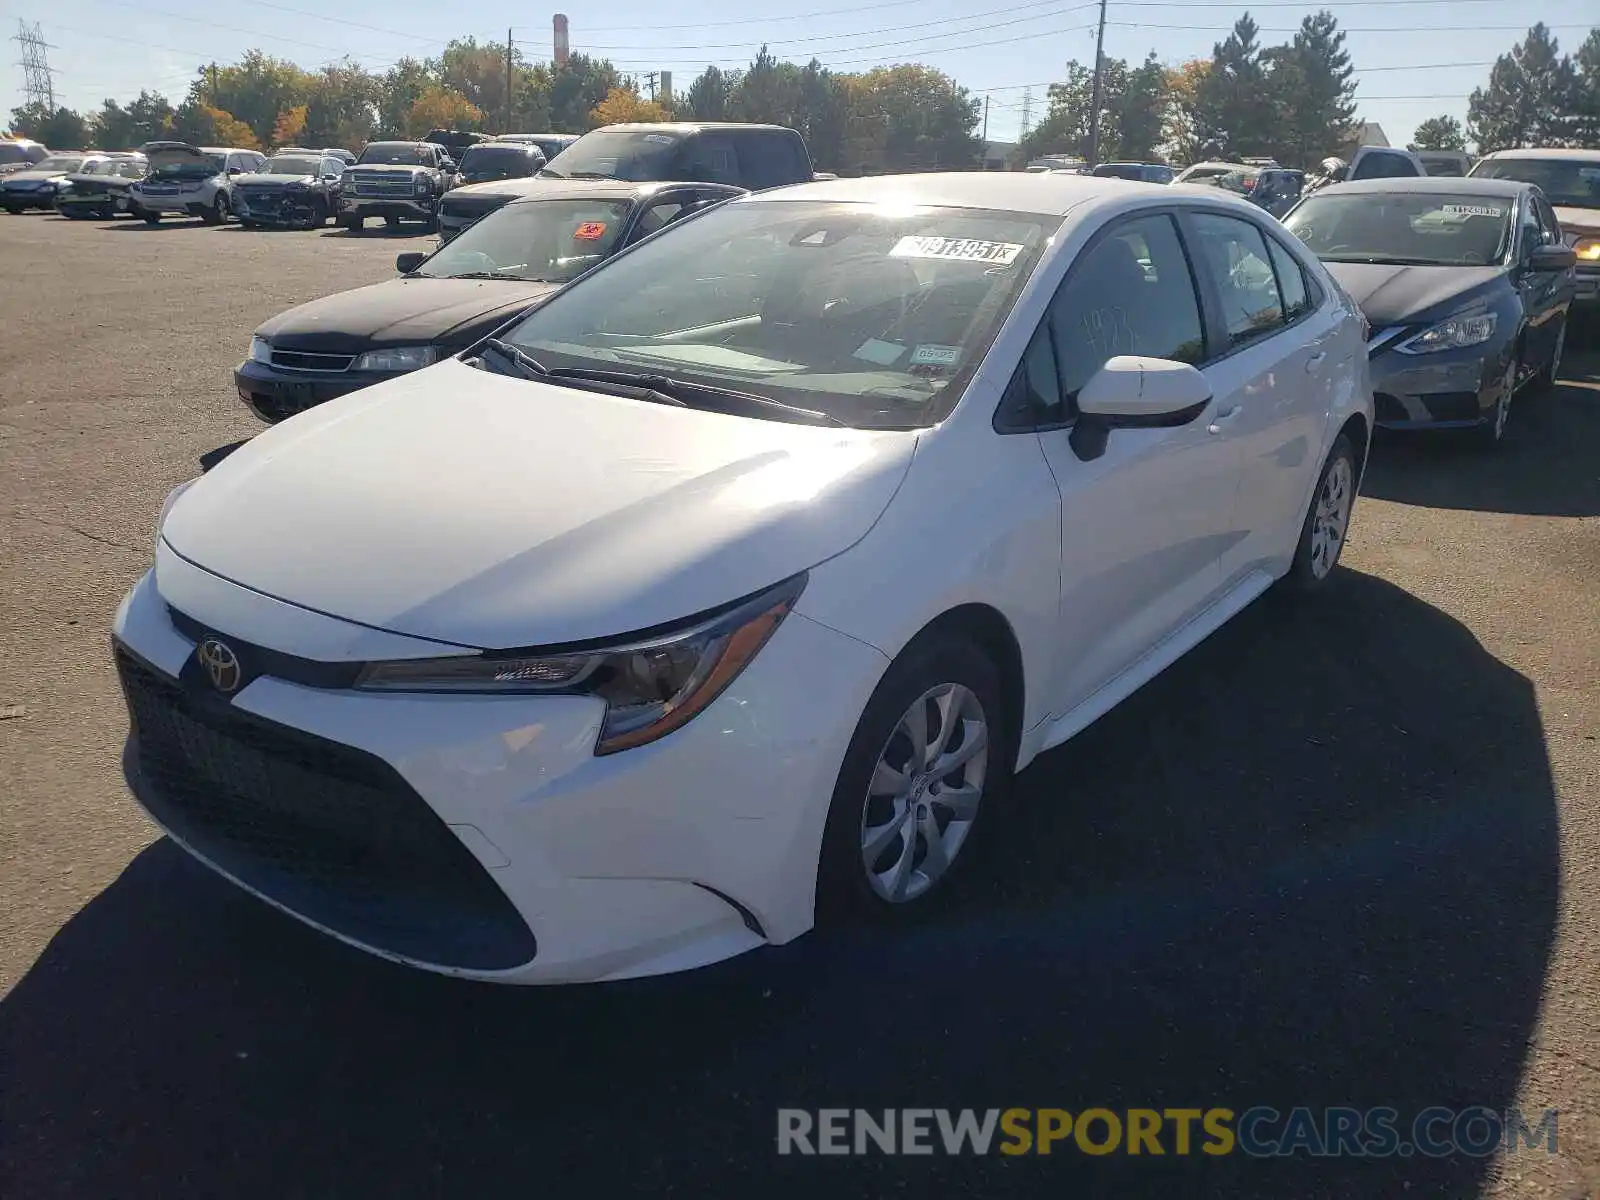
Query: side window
{"points": [[765, 160], [1529, 234], [658, 216], [1291, 282], [1548, 225], [711, 158], [1235, 251]]}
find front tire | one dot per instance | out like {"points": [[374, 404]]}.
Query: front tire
{"points": [[1492, 432], [930, 755], [1327, 520], [150, 218], [1545, 381], [217, 214]]}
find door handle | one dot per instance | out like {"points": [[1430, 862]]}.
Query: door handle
{"points": [[1222, 418], [1315, 361]]}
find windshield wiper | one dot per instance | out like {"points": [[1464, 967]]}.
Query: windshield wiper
{"points": [[679, 392], [523, 364], [612, 383], [1385, 260]]}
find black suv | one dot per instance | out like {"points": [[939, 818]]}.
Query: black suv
{"points": [[396, 181], [746, 156]]}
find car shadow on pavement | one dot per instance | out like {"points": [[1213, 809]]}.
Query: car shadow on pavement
{"points": [[1544, 467], [1314, 863], [380, 231]]}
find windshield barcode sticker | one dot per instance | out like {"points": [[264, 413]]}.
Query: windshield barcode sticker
{"points": [[999, 254], [1472, 210]]}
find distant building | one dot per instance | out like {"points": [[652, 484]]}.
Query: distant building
{"points": [[1368, 133], [997, 155]]}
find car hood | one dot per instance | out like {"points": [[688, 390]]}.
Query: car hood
{"points": [[172, 155], [1581, 220], [408, 311], [488, 511], [1393, 295], [268, 177], [77, 178]]}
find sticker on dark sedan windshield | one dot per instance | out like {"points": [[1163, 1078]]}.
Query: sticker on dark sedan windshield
{"points": [[1472, 210], [590, 231], [935, 356], [998, 254]]}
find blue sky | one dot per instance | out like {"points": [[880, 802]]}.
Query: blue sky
{"points": [[1415, 58]]}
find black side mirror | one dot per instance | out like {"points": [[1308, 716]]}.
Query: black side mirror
{"points": [[409, 262], [1552, 258]]}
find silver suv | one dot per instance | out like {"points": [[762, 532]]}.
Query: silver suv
{"points": [[193, 180]]}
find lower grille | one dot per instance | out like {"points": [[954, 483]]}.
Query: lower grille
{"points": [[384, 187], [297, 360], [326, 830]]}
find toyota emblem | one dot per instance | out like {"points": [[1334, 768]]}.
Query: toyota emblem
{"points": [[221, 664]]}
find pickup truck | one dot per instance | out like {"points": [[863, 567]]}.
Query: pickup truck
{"points": [[396, 181], [754, 157]]}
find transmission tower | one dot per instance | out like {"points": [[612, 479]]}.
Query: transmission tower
{"points": [[1027, 111], [37, 87]]}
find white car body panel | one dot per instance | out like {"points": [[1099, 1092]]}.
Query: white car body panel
{"points": [[456, 508]]}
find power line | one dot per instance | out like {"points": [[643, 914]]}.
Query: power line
{"points": [[37, 77]]}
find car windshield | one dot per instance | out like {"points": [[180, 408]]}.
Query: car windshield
{"points": [[206, 164], [395, 154], [480, 164], [1405, 228], [546, 240], [1443, 167], [617, 154], [97, 166], [61, 162], [1229, 179], [1569, 182], [128, 168], [11, 152], [292, 164], [1118, 171], [875, 316]]}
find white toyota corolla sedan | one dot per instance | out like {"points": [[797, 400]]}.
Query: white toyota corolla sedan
{"points": [[726, 591]]}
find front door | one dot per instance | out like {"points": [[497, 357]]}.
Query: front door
{"points": [[1143, 524]]}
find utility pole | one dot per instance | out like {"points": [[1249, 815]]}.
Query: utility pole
{"points": [[1099, 68], [650, 81], [986, 123], [507, 127], [1027, 112], [37, 84]]}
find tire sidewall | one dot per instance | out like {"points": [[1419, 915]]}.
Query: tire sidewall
{"points": [[1301, 575], [932, 659]]}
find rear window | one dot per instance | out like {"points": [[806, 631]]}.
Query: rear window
{"points": [[11, 152], [480, 164]]}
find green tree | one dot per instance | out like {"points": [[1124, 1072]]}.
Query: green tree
{"points": [[1586, 92], [576, 89], [440, 107], [59, 128], [708, 96], [478, 72], [144, 120], [1179, 132], [769, 92], [822, 115], [1065, 126], [342, 110], [254, 90], [1139, 111], [915, 117], [1310, 89], [1439, 133], [401, 87], [1529, 100], [1232, 108], [203, 124]]}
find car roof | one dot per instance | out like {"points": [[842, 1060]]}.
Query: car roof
{"points": [[689, 126], [1574, 155], [1012, 191], [1455, 185], [583, 189]]}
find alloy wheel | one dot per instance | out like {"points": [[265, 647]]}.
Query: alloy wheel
{"points": [[1555, 358], [1502, 410], [1335, 497], [924, 793]]}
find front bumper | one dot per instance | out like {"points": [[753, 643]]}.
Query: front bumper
{"points": [[191, 204], [419, 208], [673, 855], [1450, 389], [280, 208], [275, 395], [28, 197], [106, 204]]}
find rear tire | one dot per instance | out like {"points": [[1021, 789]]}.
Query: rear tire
{"points": [[889, 807], [353, 223], [1545, 381], [1327, 520], [150, 218]]}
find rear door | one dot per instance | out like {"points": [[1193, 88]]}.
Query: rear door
{"points": [[1279, 346]]}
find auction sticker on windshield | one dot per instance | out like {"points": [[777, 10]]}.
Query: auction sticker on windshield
{"points": [[590, 231], [1472, 210], [999, 254]]}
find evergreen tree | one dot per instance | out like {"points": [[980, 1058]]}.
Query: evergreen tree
{"points": [[1529, 98], [1439, 133], [1233, 110]]}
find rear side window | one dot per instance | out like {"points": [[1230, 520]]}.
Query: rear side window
{"points": [[1236, 253], [769, 160], [1384, 164], [712, 158], [1291, 282]]}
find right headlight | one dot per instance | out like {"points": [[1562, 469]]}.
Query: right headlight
{"points": [[398, 358], [260, 350], [1455, 334], [650, 686], [1587, 249]]}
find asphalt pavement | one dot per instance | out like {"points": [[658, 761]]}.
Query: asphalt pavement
{"points": [[1345, 853]]}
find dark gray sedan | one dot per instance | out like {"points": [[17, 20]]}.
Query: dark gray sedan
{"points": [[1466, 285]]}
